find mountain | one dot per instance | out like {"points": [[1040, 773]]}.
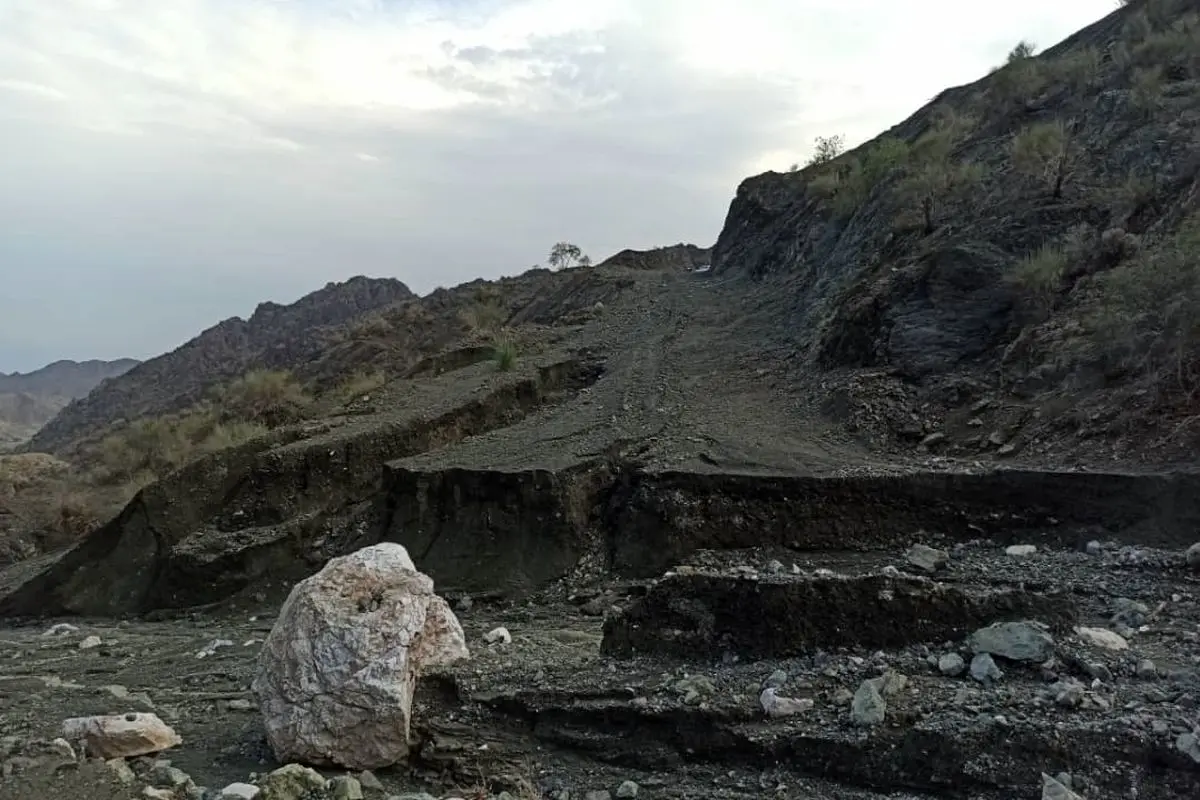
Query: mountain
{"points": [[28, 400], [980, 323], [275, 336]]}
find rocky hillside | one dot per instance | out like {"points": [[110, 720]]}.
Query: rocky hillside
{"points": [[904, 337], [1013, 263], [29, 400], [275, 336]]}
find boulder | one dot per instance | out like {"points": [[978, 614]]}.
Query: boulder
{"points": [[120, 735], [336, 675]]}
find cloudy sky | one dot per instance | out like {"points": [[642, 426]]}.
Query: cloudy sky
{"points": [[168, 163]]}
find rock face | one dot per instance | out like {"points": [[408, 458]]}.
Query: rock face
{"points": [[121, 735], [780, 616], [336, 675]]}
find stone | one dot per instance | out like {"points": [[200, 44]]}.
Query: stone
{"points": [[1189, 745], [627, 790], [1191, 556], [335, 676], [951, 665], [1054, 789], [1146, 670], [369, 781], [292, 782], [890, 683], [121, 735], [60, 629], [1020, 550], [776, 706], [927, 559], [776, 680], [868, 708], [1094, 548], [498, 636], [346, 787], [984, 669], [1103, 638], [240, 791], [167, 777], [90, 643], [121, 770], [1016, 641], [156, 793]]}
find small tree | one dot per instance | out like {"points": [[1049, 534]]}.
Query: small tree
{"points": [[565, 254], [826, 149]]}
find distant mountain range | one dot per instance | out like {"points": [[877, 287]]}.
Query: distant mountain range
{"points": [[28, 400]]}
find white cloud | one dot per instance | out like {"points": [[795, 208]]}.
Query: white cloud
{"points": [[216, 141]]}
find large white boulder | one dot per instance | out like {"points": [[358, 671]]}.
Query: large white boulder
{"points": [[335, 677], [120, 735]]}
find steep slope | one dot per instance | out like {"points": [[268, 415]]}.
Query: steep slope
{"points": [[275, 336], [1015, 262], [29, 400]]}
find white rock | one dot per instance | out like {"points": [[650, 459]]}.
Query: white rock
{"points": [[776, 706], [120, 735], [1102, 637], [1021, 549], [213, 646], [1192, 556], [1053, 790], [335, 676], [90, 642], [61, 629], [498, 636], [240, 791]]}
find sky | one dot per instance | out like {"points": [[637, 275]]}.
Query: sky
{"points": [[165, 164]]}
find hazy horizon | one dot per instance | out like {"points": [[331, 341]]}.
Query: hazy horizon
{"points": [[172, 163]]}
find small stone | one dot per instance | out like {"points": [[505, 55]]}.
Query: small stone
{"points": [[346, 787], [1053, 789], [167, 777], [597, 794], [291, 781], [155, 793], [212, 647], [627, 789], [1192, 556], [1189, 745], [60, 629], [952, 665], [843, 697], [62, 748], [868, 708], [890, 683], [240, 704], [776, 706], [927, 559], [984, 669], [1016, 641], [369, 781], [498, 636], [121, 735], [90, 643], [1103, 638], [240, 791], [776, 680], [1068, 694], [121, 770], [1146, 669], [1094, 548], [1021, 550]]}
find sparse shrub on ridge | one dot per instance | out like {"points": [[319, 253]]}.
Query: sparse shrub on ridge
{"points": [[504, 352], [1042, 151], [265, 397], [1143, 316], [1039, 277]]}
